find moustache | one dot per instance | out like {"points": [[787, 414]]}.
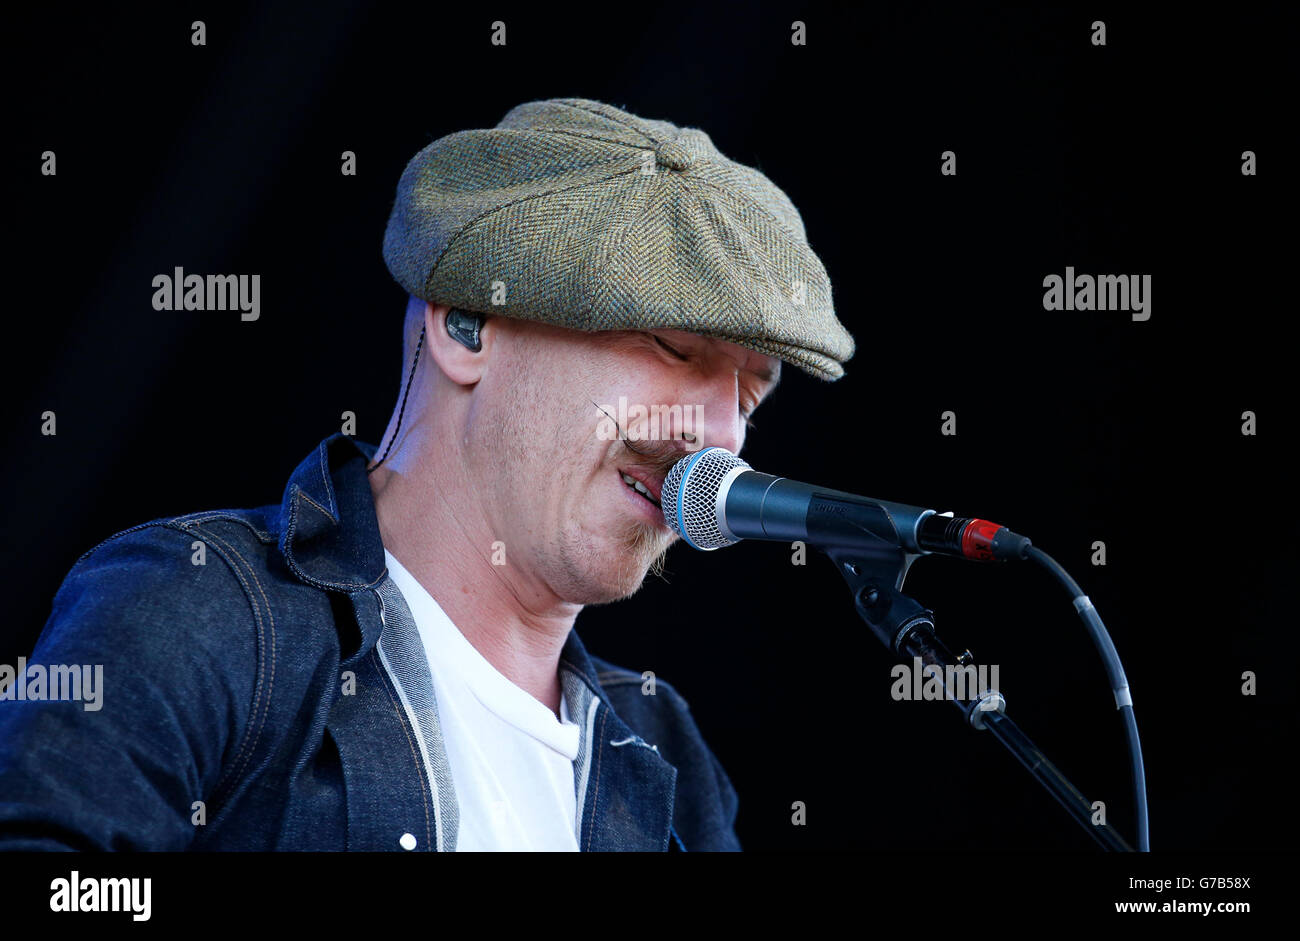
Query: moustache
{"points": [[658, 459]]}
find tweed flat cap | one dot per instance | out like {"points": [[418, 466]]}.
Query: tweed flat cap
{"points": [[575, 213]]}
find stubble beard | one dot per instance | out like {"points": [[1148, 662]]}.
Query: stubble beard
{"points": [[591, 576]]}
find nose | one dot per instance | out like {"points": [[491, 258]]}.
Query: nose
{"points": [[713, 410]]}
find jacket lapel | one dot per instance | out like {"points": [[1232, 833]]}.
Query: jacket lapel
{"points": [[625, 789]]}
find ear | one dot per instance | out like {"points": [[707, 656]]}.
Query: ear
{"points": [[457, 363]]}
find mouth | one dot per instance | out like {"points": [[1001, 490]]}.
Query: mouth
{"points": [[647, 488]]}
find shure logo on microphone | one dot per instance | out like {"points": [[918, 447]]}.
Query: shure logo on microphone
{"points": [[1102, 292], [819, 506]]}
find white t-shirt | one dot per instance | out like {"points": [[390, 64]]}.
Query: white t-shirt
{"points": [[511, 759]]}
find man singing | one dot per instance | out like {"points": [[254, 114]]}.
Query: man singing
{"points": [[386, 659]]}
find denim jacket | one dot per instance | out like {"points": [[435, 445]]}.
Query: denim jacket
{"points": [[264, 688]]}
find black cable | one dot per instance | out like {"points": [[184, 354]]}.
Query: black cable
{"points": [[1118, 684], [415, 361]]}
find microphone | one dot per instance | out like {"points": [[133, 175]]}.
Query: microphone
{"points": [[712, 499]]}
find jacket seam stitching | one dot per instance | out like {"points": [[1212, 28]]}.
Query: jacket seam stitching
{"points": [[256, 721], [263, 536], [163, 523], [595, 795], [291, 531], [323, 452], [303, 493]]}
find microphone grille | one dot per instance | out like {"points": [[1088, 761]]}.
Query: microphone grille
{"points": [[689, 497]]}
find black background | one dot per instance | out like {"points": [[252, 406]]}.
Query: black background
{"points": [[1072, 426]]}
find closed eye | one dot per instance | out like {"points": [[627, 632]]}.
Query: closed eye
{"points": [[677, 354]]}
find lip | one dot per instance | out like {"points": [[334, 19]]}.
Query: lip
{"points": [[648, 510], [653, 484]]}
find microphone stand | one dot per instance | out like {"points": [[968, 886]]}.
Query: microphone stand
{"points": [[875, 576]]}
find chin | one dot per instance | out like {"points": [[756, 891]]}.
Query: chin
{"points": [[621, 576], [608, 593], [588, 588], [615, 570]]}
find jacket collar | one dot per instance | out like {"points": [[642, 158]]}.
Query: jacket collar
{"points": [[329, 533]]}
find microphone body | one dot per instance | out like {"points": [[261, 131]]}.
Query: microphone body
{"points": [[714, 499]]}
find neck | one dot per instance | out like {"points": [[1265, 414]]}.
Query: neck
{"points": [[430, 519]]}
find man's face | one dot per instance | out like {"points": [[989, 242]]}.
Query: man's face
{"points": [[564, 418]]}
